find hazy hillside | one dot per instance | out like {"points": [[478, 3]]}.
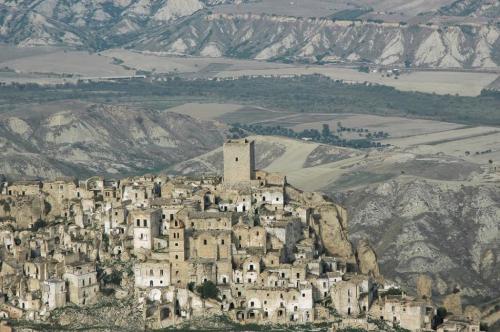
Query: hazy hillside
{"points": [[112, 140], [474, 8], [420, 226], [188, 27], [88, 23]]}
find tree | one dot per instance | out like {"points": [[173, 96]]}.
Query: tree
{"points": [[208, 290], [326, 130], [394, 291], [39, 224], [440, 315]]}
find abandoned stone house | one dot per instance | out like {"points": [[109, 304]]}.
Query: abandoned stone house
{"points": [[458, 324], [81, 279], [404, 311]]}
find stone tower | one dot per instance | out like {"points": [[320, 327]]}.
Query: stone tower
{"points": [[176, 242], [239, 162]]}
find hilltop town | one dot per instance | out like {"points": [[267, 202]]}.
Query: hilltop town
{"points": [[247, 246]]}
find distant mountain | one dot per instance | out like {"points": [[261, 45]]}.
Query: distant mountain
{"points": [[108, 140], [188, 27]]}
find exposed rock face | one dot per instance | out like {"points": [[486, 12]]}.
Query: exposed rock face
{"points": [[298, 38], [488, 263], [108, 140], [453, 303], [331, 224], [329, 221], [424, 286], [367, 259]]}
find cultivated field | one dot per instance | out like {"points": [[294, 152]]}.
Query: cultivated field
{"points": [[395, 126], [321, 8], [63, 62], [205, 111], [405, 129], [476, 144], [9, 52], [431, 149], [461, 83], [119, 62], [168, 63]]}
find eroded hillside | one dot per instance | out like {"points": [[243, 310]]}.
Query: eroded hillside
{"points": [[283, 38], [101, 139], [448, 231], [191, 28]]}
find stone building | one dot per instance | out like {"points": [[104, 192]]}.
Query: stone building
{"points": [[54, 293], [81, 281], [239, 162], [403, 311], [152, 273], [147, 224], [458, 324], [353, 295]]}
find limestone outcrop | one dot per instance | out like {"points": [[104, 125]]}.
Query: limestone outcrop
{"points": [[330, 221], [453, 303], [424, 286], [473, 313], [367, 259]]}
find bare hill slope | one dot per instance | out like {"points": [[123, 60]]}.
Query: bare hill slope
{"points": [[100, 139]]}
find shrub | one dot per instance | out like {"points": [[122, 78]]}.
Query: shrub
{"points": [[208, 290], [39, 224]]}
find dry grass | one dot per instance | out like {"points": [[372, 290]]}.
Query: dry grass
{"points": [[461, 83], [71, 62], [395, 126], [321, 8], [205, 111]]}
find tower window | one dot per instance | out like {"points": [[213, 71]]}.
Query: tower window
{"points": [[236, 159]]}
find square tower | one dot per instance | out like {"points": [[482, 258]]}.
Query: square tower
{"points": [[239, 162], [176, 241], [146, 224]]}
